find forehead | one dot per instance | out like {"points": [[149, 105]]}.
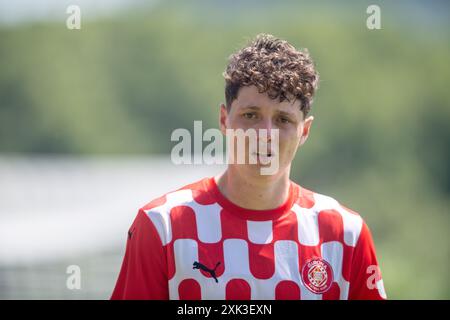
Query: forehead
{"points": [[249, 96]]}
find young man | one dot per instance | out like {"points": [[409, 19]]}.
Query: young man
{"points": [[247, 235]]}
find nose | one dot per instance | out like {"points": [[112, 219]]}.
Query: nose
{"points": [[266, 125]]}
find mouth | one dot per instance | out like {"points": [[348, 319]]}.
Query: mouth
{"points": [[264, 155]]}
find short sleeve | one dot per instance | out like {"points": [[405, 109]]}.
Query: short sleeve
{"points": [[365, 278], [143, 274]]}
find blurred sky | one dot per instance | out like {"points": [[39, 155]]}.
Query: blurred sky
{"points": [[13, 12]]}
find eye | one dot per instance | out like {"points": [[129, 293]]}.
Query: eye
{"points": [[249, 115], [284, 120]]}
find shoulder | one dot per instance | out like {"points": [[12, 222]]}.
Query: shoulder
{"points": [[196, 193], [332, 218], [190, 199]]}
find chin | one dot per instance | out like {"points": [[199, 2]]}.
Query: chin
{"points": [[254, 171]]}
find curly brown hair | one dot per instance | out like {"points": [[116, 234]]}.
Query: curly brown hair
{"points": [[273, 66]]}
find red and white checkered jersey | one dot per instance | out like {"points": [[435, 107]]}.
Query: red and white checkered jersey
{"points": [[194, 243]]}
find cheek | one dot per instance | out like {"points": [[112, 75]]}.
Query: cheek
{"points": [[289, 139], [235, 122]]}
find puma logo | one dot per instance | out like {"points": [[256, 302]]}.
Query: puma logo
{"points": [[198, 265], [130, 233]]}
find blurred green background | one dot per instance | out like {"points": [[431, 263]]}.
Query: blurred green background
{"points": [[381, 136]]}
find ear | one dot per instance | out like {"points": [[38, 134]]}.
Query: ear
{"points": [[223, 118], [306, 129]]}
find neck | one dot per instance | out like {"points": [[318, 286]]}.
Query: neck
{"points": [[260, 193]]}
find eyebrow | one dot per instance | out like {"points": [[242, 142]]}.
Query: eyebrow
{"points": [[280, 112], [286, 113], [251, 107]]}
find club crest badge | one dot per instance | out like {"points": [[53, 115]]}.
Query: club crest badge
{"points": [[317, 275]]}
